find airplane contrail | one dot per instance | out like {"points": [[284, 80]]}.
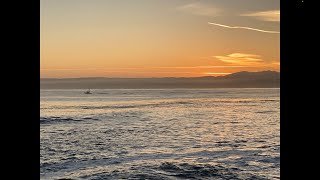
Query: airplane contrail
{"points": [[239, 27]]}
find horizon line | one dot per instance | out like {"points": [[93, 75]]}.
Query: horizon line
{"points": [[208, 75]]}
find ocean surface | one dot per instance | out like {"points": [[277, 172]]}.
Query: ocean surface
{"points": [[160, 134]]}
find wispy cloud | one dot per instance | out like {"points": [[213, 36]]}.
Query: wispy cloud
{"points": [[121, 70], [196, 67], [276, 63], [84, 69], [240, 27], [139, 68], [248, 61], [241, 59], [199, 9], [273, 15], [216, 73]]}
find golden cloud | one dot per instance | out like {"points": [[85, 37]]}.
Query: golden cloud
{"points": [[241, 59]]}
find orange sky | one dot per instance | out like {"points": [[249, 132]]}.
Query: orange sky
{"points": [[160, 38]]}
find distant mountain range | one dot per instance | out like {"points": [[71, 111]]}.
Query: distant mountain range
{"points": [[244, 79]]}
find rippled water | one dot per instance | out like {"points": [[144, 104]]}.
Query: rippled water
{"points": [[160, 134]]}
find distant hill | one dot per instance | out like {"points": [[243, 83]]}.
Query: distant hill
{"points": [[263, 79], [253, 75]]}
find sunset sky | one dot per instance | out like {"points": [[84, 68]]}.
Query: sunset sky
{"points": [[158, 38]]}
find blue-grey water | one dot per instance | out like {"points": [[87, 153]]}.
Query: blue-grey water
{"points": [[160, 134]]}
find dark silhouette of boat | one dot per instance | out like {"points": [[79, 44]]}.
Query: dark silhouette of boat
{"points": [[87, 92]]}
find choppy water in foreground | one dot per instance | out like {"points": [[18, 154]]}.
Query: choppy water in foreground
{"points": [[160, 134]]}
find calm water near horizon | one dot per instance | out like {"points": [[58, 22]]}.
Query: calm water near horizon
{"points": [[160, 134]]}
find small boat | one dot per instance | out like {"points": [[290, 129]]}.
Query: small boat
{"points": [[88, 92]]}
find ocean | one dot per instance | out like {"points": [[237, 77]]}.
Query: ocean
{"points": [[160, 134]]}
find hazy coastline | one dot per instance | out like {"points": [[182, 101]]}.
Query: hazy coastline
{"points": [[263, 79]]}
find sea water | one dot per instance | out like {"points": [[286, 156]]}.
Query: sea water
{"points": [[160, 134]]}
